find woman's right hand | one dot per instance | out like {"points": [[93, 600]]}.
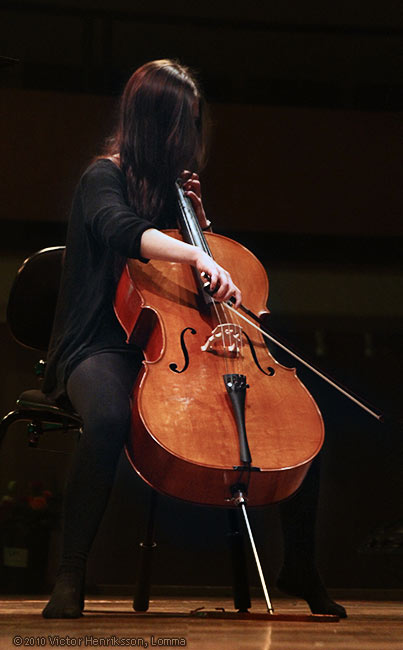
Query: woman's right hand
{"points": [[222, 286], [158, 245]]}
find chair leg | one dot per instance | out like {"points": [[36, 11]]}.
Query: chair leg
{"points": [[6, 422], [141, 598], [240, 582]]}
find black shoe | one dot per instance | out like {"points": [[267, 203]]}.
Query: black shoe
{"points": [[67, 599], [309, 587]]}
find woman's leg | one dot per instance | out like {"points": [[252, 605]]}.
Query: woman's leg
{"points": [[99, 389], [299, 575]]}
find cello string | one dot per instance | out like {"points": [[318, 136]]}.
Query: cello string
{"points": [[241, 337], [226, 347], [240, 346], [233, 337], [238, 337], [222, 326], [215, 309], [190, 218]]}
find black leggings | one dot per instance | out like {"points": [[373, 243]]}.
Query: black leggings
{"points": [[99, 388]]}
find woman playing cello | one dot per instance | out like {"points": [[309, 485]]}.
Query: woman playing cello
{"points": [[121, 202]]}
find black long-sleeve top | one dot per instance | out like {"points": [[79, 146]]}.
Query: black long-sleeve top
{"points": [[103, 232]]}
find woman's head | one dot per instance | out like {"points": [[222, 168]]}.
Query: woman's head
{"points": [[161, 132]]}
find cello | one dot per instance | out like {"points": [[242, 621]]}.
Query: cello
{"points": [[214, 414]]}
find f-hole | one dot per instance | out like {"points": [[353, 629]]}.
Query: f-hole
{"points": [[174, 366], [271, 370]]}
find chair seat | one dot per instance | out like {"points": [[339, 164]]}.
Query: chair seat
{"points": [[37, 400]]}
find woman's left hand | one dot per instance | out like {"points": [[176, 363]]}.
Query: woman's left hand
{"points": [[191, 185]]}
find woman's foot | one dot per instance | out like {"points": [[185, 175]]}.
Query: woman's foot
{"points": [[309, 586], [67, 599]]}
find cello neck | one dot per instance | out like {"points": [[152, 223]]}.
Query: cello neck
{"points": [[192, 234], [188, 221]]}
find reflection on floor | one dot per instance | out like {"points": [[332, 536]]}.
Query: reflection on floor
{"points": [[111, 622]]}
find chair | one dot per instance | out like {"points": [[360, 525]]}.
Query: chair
{"points": [[30, 313]]}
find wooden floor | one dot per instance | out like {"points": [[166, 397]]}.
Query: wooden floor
{"points": [[376, 625]]}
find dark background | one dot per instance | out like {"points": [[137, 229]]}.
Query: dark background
{"points": [[306, 101]]}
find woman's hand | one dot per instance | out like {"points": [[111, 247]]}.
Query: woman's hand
{"points": [[221, 284], [192, 189]]}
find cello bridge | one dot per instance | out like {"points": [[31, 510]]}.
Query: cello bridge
{"points": [[225, 340]]}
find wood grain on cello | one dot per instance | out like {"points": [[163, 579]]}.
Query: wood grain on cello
{"points": [[186, 439]]}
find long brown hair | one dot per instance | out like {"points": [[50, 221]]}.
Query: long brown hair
{"points": [[162, 130]]}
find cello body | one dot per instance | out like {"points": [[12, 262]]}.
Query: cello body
{"points": [[184, 439]]}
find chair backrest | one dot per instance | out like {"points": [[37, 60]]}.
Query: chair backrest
{"points": [[33, 296]]}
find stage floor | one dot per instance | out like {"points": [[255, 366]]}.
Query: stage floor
{"points": [[110, 622]]}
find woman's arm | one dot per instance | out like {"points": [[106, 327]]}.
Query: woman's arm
{"points": [[114, 223], [159, 246], [108, 217]]}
